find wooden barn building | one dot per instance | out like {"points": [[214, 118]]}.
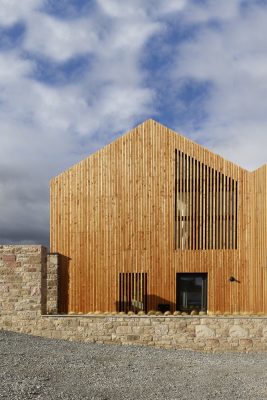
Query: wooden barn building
{"points": [[154, 221]]}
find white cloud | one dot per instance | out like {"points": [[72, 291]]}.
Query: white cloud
{"points": [[232, 59], [13, 67], [12, 11], [59, 40], [43, 126], [140, 9], [122, 9], [170, 6], [202, 12]]}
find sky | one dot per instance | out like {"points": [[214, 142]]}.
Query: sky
{"points": [[76, 74]]}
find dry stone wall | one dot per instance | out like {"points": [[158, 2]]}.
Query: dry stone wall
{"points": [[23, 280], [192, 332], [28, 294]]}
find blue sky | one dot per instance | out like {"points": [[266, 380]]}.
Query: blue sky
{"points": [[74, 75]]}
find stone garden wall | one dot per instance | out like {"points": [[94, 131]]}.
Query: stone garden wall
{"points": [[23, 281], [195, 333], [28, 294]]}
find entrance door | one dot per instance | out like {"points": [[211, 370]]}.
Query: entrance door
{"points": [[191, 292]]}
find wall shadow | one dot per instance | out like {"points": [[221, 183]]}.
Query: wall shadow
{"points": [[63, 283], [43, 280], [152, 302], [158, 303]]}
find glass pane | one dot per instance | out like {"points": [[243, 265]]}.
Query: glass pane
{"points": [[191, 293]]}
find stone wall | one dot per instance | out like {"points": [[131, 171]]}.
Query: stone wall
{"points": [[23, 280], [52, 283], [28, 293], [192, 332]]}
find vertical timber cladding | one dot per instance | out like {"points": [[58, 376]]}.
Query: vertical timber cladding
{"points": [[113, 213], [258, 254]]}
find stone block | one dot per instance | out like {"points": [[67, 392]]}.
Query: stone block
{"points": [[212, 343], [199, 344], [132, 338], [238, 331], [149, 329], [7, 258], [161, 329], [146, 338], [246, 343], [124, 329], [204, 331], [138, 330]]}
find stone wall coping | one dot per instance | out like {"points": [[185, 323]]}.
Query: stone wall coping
{"points": [[15, 246], [108, 316]]}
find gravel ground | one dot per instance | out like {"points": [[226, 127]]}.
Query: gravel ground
{"points": [[39, 368]]}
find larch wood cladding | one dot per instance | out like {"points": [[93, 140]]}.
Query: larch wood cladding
{"points": [[116, 212]]}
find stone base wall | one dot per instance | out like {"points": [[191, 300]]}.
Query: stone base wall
{"points": [[194, 333], [28, 293]]}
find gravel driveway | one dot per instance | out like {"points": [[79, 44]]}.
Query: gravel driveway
{"points": [[38, 368]]}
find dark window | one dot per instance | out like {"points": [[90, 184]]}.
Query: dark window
{"points": [[191, 292]]}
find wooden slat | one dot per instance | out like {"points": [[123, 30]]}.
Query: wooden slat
{"points": [[197, 210]]}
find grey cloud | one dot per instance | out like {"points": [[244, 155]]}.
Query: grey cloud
{"points": [[46, 129], [233, 61], [42, 127]]}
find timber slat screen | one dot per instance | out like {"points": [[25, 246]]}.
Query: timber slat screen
{"points": [[133, 291], [205, 206]]}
